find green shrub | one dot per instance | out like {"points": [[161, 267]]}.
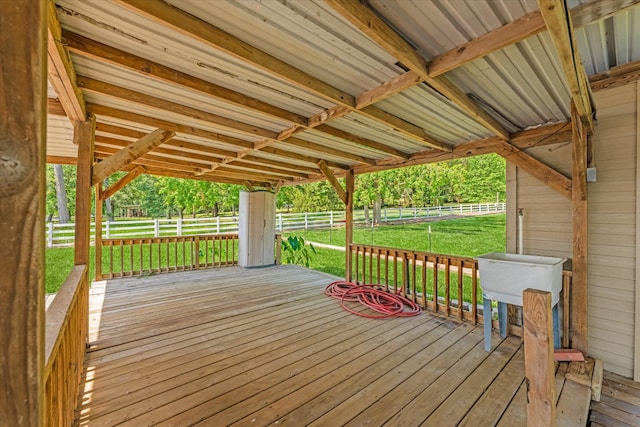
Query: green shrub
{"points": [[296, 251]]}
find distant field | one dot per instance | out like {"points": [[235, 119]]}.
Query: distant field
{"points": [[469, 236]]}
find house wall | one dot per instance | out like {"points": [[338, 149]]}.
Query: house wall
{"points": [[612, 236]]}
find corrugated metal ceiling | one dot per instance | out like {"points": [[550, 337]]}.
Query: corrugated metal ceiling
{"points": [[522, 86]]}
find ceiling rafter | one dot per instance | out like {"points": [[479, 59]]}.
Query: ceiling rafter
{"points": [[122, 182], [558, 22], [518, 30], [84, 46], [60, 70], [119, 92], [130, 153], [188, 25], [177, 174], [540, 136], [99, 110], [371, 25]]}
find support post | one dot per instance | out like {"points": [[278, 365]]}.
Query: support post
{"points": [[539, 366], [83, 137], [98, 232], [579, 301], [350, 184], [23, 94]]}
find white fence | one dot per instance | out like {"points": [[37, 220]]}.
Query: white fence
{"points": [[63, 234]]}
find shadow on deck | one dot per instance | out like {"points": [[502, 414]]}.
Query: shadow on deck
{"points": [[261, 346]]}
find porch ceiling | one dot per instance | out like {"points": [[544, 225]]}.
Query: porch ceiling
{"points": [[263, 91]]}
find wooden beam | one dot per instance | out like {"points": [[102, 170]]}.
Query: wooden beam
{"points": [[61, 160], [54, 108], [520, 29], [398, 84], [560, 28], [248, 186], [544, 173], [539, 368], [83, 137], [23, 94], [174, 143], [376, 29], [333, 181], [301, 157], [616, 76], [190, 26], [411, 131], [579, 285], [99, 198], [92, 49], [374, 145], [129, 154], [101, 110], [307, 145], [114, 91], [350, 189], [239, 165], [61, 72], [183, 155], [122, 182], [177, 174], [523, 27]]}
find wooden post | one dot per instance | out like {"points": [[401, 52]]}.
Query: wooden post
{"points": [[98, 233], [83, 137], [538, 358], [579, 300], [350, 184], [23, 94], [278, 249]]}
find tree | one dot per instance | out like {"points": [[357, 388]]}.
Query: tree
{"points": [[61, 195]]}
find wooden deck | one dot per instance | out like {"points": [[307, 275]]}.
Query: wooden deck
{"points": [[265, 346], [619, 405]]}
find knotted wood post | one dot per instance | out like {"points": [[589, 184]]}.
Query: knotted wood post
{"points": [[538, 358]]}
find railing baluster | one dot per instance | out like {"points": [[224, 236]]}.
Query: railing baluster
{"points": [[460, 296], [424, 281], [447, 284], [435, 284]]}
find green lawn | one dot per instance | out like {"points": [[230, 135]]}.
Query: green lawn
{"points": [[464, 237], [469, 237]]}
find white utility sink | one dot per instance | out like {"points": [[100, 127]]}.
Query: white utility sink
{"points": [[504, 276]]}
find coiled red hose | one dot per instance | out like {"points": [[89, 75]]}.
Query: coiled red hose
{"points": [[385, 303]]}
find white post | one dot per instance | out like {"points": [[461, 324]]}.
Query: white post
{"points": [[461, 209], [179, 227], [218, 224], [415, 213], [400, 212], [331, 219], [50, 235], [281, 224], [108, 228], [306, 220], [156, 227], [385, 214]]}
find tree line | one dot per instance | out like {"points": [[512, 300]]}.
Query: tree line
{"points": [[470, 180]]}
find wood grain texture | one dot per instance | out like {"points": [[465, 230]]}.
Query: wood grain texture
{"points": [[23, 93], [132, 152], [579, 285], [333, 181], [83, 137], [538, 355], [350, 188]]}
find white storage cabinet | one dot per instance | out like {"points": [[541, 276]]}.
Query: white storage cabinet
{"points": [[256, 229]]}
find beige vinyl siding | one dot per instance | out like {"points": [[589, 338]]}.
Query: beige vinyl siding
{"points": [[612, 231], [612, 224]]}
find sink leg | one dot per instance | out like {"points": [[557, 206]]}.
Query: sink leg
{"points": [[487, 324], [556, 328], [502, 318]]}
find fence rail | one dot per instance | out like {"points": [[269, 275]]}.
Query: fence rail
{"points": [[63, 234], [444, 284], [138, 257]]}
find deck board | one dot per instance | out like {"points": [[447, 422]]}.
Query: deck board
{"points": [[264, 346]]}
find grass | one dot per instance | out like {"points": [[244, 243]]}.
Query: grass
{"points": [[469, 236]]}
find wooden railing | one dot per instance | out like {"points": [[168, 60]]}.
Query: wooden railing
{"points": [[444, 284], [138, 257], [67, 321]]}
